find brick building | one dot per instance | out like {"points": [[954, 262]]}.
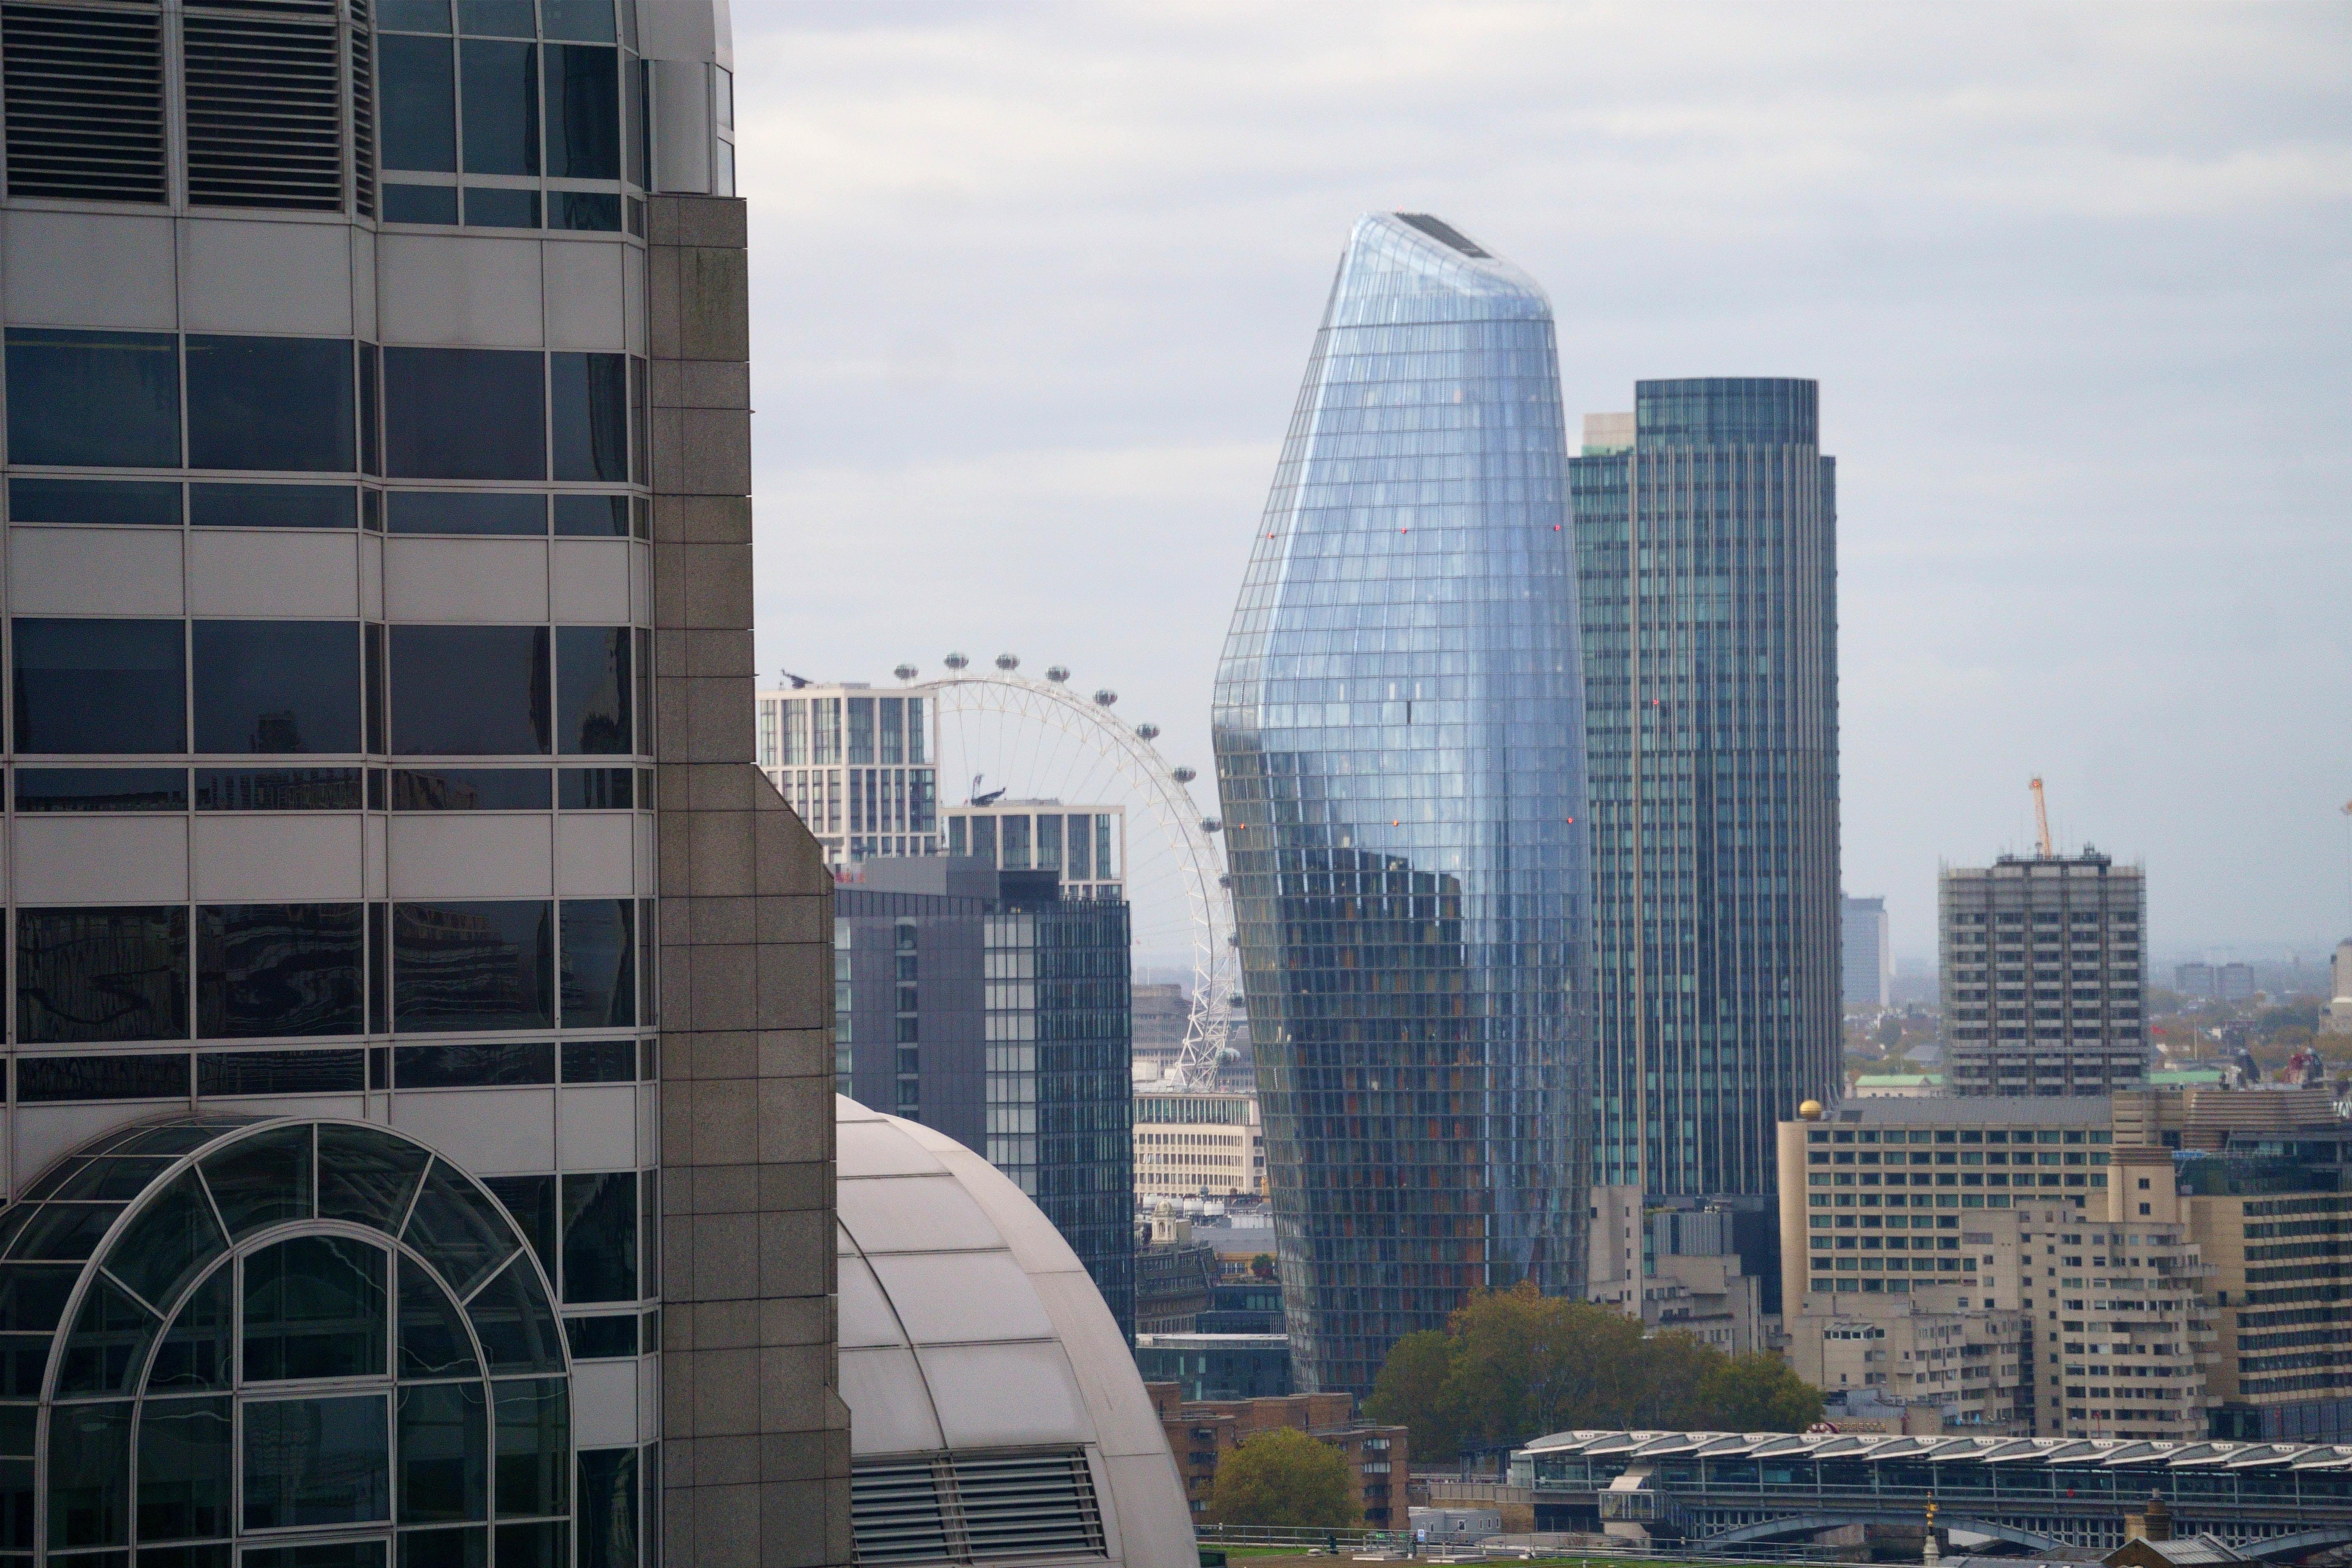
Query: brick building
{"points": [[1202, 1432]]}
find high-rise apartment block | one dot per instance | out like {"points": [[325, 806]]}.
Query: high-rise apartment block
{"points": [[860, 767], [1706, 565], [2042, 957], [985, 1004], [417, 1132], [1869, 957], [1400, 753]]}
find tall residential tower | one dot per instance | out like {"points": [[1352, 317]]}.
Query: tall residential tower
{"points": [[1707, 560], [1398, 741], [2043, 959], [418, 1143]]}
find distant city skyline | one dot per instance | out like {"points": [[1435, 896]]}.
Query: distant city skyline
{"points": [[1026, 281]]}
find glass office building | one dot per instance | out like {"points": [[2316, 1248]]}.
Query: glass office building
{"points": [[1398, 735], [365, 993], [987, 1004], [1706, 567]]}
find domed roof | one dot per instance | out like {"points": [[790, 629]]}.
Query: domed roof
{"points": [[977, 1357]]}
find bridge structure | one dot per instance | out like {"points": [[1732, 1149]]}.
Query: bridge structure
{"points": [[2278, 1502]]}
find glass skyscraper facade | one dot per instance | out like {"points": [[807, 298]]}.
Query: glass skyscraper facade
{"points": [[1399, 733], [1706, 568], [416, 1013]]}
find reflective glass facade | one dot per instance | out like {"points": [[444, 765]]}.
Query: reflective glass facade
{"points": [[1399, 733], [1706, 565]]}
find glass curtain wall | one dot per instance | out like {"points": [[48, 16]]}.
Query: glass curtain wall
{"points": [[1399, 733]]}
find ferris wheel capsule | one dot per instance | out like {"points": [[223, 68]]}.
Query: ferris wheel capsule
{"points": [[1211, 825], [1184, 775], [1057, 673], [1008, 662], [904, 672], [1148, 732], [1105, 696], [955, 661]]}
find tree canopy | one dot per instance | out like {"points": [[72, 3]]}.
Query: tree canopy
{"points": [[1516, 1364], [1282, 1476]]}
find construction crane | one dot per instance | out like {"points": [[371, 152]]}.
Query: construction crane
{"points": [[2041, 821]]}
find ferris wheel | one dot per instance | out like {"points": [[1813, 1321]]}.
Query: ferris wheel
{"points": [[1041, 738]]}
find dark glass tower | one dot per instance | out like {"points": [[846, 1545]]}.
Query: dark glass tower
{"points": [[1707, 566], [1399, 738]]}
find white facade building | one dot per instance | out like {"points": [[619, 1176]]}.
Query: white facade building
{"points": [[1869, 955]]}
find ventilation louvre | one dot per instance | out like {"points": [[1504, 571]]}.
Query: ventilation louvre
{"points": [[975, 1508], [265, 114], [362, 80], [85, 118]]}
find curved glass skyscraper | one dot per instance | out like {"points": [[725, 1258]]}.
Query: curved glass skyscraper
{"points": [[1399, 747]]}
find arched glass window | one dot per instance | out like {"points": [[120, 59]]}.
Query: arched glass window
{"points": [[295, 1344]]}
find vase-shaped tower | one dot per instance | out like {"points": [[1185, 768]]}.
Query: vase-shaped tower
{"points": [[1400, 751]]}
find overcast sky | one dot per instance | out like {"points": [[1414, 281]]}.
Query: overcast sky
{"points": [[1034, 285]]}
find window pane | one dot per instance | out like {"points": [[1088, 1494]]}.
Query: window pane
{"points": [[278, 969], [589, 408], [445, 1453], [469, 690], [195, 1349], [366, 1177], [465, 413], [93, 399], [608, 1509], [498, 1064], [101, 789], [588, 19], [592, 690], [593, 517], [477, 966], [469, 789], [515, 1325], [464, 512], [99, 686], [590, 211], [314, 1307], [533, 1448], [420, 102], [316, 1461], [273, 506], [173, 1239], [62, 1233], [419, 204], [89, 1475], [277, 686], [109, 1344], [149, 503], [445, 1549], [325, 1554], [600, 1238], [461, 1231], [415, 15], [530, 1201], [271, 403], [92, 975], [600, 1061], [433, 1338], [113, 1076], [595, 789], [584, 112], [185, 1469], [602, 1339], [496, 18], [277, 789], [502, 108], [261, 1181], [498, 208], [600, 963]]}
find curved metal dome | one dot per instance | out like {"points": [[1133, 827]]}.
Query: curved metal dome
{"points": [[988, 1387]]}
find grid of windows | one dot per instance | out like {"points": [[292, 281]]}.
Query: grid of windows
{"points": [[1399, 757]]}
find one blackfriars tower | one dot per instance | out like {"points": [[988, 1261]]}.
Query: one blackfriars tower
{"points": [[1400, 750], [1707, 561]]}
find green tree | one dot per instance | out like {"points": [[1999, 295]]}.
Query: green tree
{"points": [[1758, 1392], [1410, 1392], [1285, 1477], [1262, 1266]]}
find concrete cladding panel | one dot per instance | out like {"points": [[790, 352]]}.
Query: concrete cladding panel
{"points": [[755, 1435]]}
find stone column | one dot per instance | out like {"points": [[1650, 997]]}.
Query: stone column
{"points": [[755, 1439]]}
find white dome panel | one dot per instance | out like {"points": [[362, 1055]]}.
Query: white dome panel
{"points": [[1004, 1396], [889, 1404], [877, 1149], [866, 1315], [946, 1298], [912, 1214]]}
